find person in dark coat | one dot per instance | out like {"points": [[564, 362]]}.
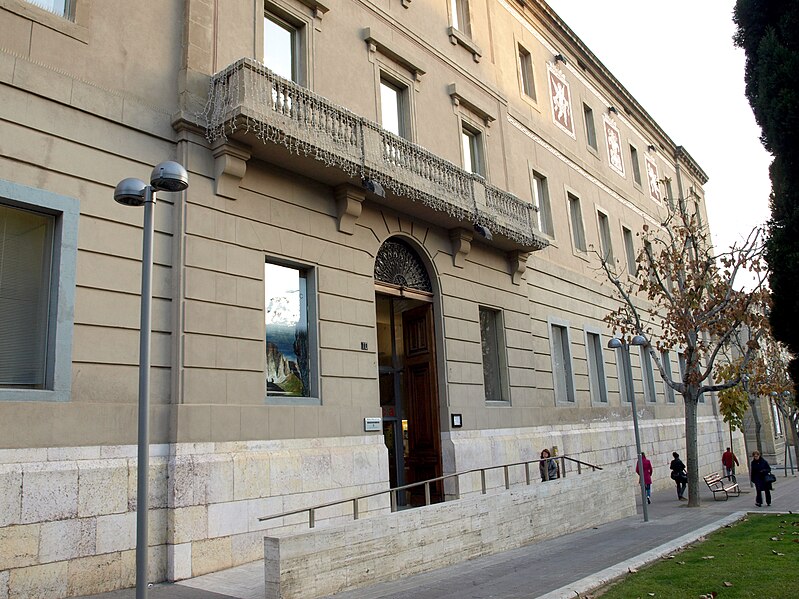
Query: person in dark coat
{"points": [[679, 476], [757, 474], [547, 466]]}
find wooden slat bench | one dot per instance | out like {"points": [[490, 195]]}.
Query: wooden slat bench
{"points": [[718, 485]]}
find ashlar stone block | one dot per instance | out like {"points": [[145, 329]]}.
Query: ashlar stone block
{"points": [[95, 574], [50, 492], [19, 545], [116, 532], [39, 582], [11, 495], [66, 539], [250, 476], [102, 487]]}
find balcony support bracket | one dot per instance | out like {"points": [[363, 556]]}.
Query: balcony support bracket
{"points": [[230, 165], [349, 200], [518, 264], [461, 245]]}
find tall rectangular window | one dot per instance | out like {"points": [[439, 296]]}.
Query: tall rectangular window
{"points": [[596, 369], [460, 16], [669, 194], [562, 364], [26, 254], [776, 418], [290, 332], [604, 237], [472, 141], [493, 353], [526, 73], [578, 231], [648, 375], [629, 251], [590, 126], [393, 110], [281, 47], [541, 199], [682, 364], [636, 164]]}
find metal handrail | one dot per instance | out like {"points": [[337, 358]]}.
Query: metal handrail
{"points": [[394, 491]]}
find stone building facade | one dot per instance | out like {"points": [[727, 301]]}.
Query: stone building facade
{"points": [[393, 213]]}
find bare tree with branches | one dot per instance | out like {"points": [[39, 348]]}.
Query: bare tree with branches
{"points": [[684, 296]]}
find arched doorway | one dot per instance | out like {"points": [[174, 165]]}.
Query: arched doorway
{"points": [[407, 368]]}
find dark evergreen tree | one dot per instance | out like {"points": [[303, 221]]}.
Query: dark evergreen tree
{"points": [[768, 32]]}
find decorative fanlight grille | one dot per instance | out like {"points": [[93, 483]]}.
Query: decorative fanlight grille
{"points": [[398, 264]]}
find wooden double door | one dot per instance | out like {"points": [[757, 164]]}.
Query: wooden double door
{"points": [[409, 394]]}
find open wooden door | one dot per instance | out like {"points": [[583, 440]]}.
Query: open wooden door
{"points": [[421, 394]]}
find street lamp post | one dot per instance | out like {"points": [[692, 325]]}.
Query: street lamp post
{"points": [[167, 176], [622, 344]]}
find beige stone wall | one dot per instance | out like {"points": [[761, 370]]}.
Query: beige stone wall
{"points": [[330, 560]]}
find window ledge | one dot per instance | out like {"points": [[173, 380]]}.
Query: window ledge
{"points": [[74, 29], [458, 98], [457, 36]]}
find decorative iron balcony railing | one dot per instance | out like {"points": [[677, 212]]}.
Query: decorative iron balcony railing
{"points": [[247, 97]]}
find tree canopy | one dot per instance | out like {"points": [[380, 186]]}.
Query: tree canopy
{"points": [[767, 32]]}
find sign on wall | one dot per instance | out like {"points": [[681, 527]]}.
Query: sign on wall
{"points": [[560, 97], [652, 177], [613, 144]]}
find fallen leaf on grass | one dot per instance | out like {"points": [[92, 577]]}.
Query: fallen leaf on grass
{"points": [[776, 552], [775, 538], [681, 563], [727, 584], [708, 557]]}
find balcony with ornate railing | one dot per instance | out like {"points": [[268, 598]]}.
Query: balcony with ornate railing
{"points": [[247, 100]]}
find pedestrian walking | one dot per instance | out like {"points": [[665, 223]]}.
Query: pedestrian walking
{"points": [[679, 476], [547, 466], [760, 474], [729, 461], [647, 475]]}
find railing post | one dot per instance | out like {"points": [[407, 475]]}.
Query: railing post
{"points": [[563, 467], [579, 468], [427, 493], [311, 519], [507, 478], [527, 472], [483, 479], [355, 509], [393, 495]]}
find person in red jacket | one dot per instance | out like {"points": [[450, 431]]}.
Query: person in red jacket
{"points": [[647, 475], [729, 461]]}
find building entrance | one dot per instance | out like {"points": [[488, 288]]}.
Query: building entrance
{"points": [[407, 370]]}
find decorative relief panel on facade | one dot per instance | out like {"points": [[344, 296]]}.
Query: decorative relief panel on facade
{"points": [[652, 178], [561, 99], [397, 264], [613, 144]]}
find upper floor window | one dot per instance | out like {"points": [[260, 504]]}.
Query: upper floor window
{"points": [[62, 8], [526, 73], [541, 199], [590, 126], [648, 375], [393, 107], [636, 164], [491, 342], [460, 16], [472, 142], [629, 251], [606, 246], [562, 373], [596, 368], [290, 332], [38, 252], [665, 357], [578, 231], [282, 43]]}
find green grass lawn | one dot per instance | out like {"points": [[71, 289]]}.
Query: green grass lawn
{"points": [[757, 557]]}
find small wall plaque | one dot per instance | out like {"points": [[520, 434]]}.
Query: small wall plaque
{"points": [[372, 424], [457, 421]]}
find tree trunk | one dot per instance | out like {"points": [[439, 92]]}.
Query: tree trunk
{"points": [[758, 426], [691, 400]]}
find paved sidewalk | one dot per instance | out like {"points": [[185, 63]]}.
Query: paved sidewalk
{"points": [[554, 569]]}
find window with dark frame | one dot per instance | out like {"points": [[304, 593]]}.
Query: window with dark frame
{"points": [[629, 251], [282, 47], [26, 257], [526, 73], [590, 126], [636, 164], [578, 230], [288, 329], [604, 237], [624, 381], [541, 199], [596, 369], [665, 357], [648, 375], [393, 107], [460, 16], [493, 353], [472, 141], [561, 364]]}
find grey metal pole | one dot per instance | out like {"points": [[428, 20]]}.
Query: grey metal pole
{"points": [[143, 469], [631, 393]]}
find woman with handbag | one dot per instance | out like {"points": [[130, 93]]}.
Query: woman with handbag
{"points": [[679, 476], [760, 474]]}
